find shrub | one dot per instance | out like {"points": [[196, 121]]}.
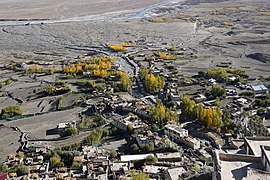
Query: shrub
{"points": [[22, 170], [76, 165], [8, 81], [3, 168], [34, 69], [158, 20], [167, 56], [148, 147], [56, 162], [151, 160], [113, 154], [140, 176], [50, 71], [216, 91], [117, 47], [70, 131], [95, 136], [218, 73], [51, 90], [134, 148], [11, 111]]}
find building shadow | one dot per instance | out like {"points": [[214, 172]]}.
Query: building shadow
{"points": [[51, 132]]}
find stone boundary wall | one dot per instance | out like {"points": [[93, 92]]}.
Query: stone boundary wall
{"points": [[238, 157]]}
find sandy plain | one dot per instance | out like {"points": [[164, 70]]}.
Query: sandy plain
{"points": [[60, 9]]}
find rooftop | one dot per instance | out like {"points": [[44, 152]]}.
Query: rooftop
{"points": [[255, 143], [235, 166], [257, 174], [259, 88], [174, 173], [175, 128], [236, 169], [116, 166], [154, 169], [169, 155], [126, 158]]}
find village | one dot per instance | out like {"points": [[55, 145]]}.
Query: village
{"points": [[138, 109], [171, 132]]}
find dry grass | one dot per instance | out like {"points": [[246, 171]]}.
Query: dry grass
{"points": [[167, 56], [158, 20], [117, 47], [228, 24]]}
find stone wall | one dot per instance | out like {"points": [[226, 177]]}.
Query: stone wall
{"points": [[238, 157]]}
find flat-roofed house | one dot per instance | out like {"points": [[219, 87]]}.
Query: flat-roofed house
{"points": [[260, 89]]}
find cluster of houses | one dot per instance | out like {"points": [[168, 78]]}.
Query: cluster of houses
{"points": [[33, 162], [95, 163]]}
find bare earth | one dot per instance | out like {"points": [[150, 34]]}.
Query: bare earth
{"points": [[52, 9]]}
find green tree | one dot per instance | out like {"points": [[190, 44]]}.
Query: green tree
{"points": [[217, 91], [11, 111], [201, 112], [76, 165], [3, 168], [151, 146], [152, 83], [148, 147], [51, 90], [95, 137], [113, 154], [8, 81], [140, 176], [144, 72], [99, 120], [196, 167], [50, 71], [22, 170], [66, 157], [134, 148], [20, 155], [219, 74], [151, 160], [155, 128], [161, 115], [56, 162], [130, 128], [70, 131], [126, 82], [187, 106]]}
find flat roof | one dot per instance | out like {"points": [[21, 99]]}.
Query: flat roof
{"points": [[259, 87], [154, 169], [62, 125], [126, 158], [255, 144], [176, 172], [257, 174], [118, 165], [175, 128], [236, 169], [168, 155]]}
